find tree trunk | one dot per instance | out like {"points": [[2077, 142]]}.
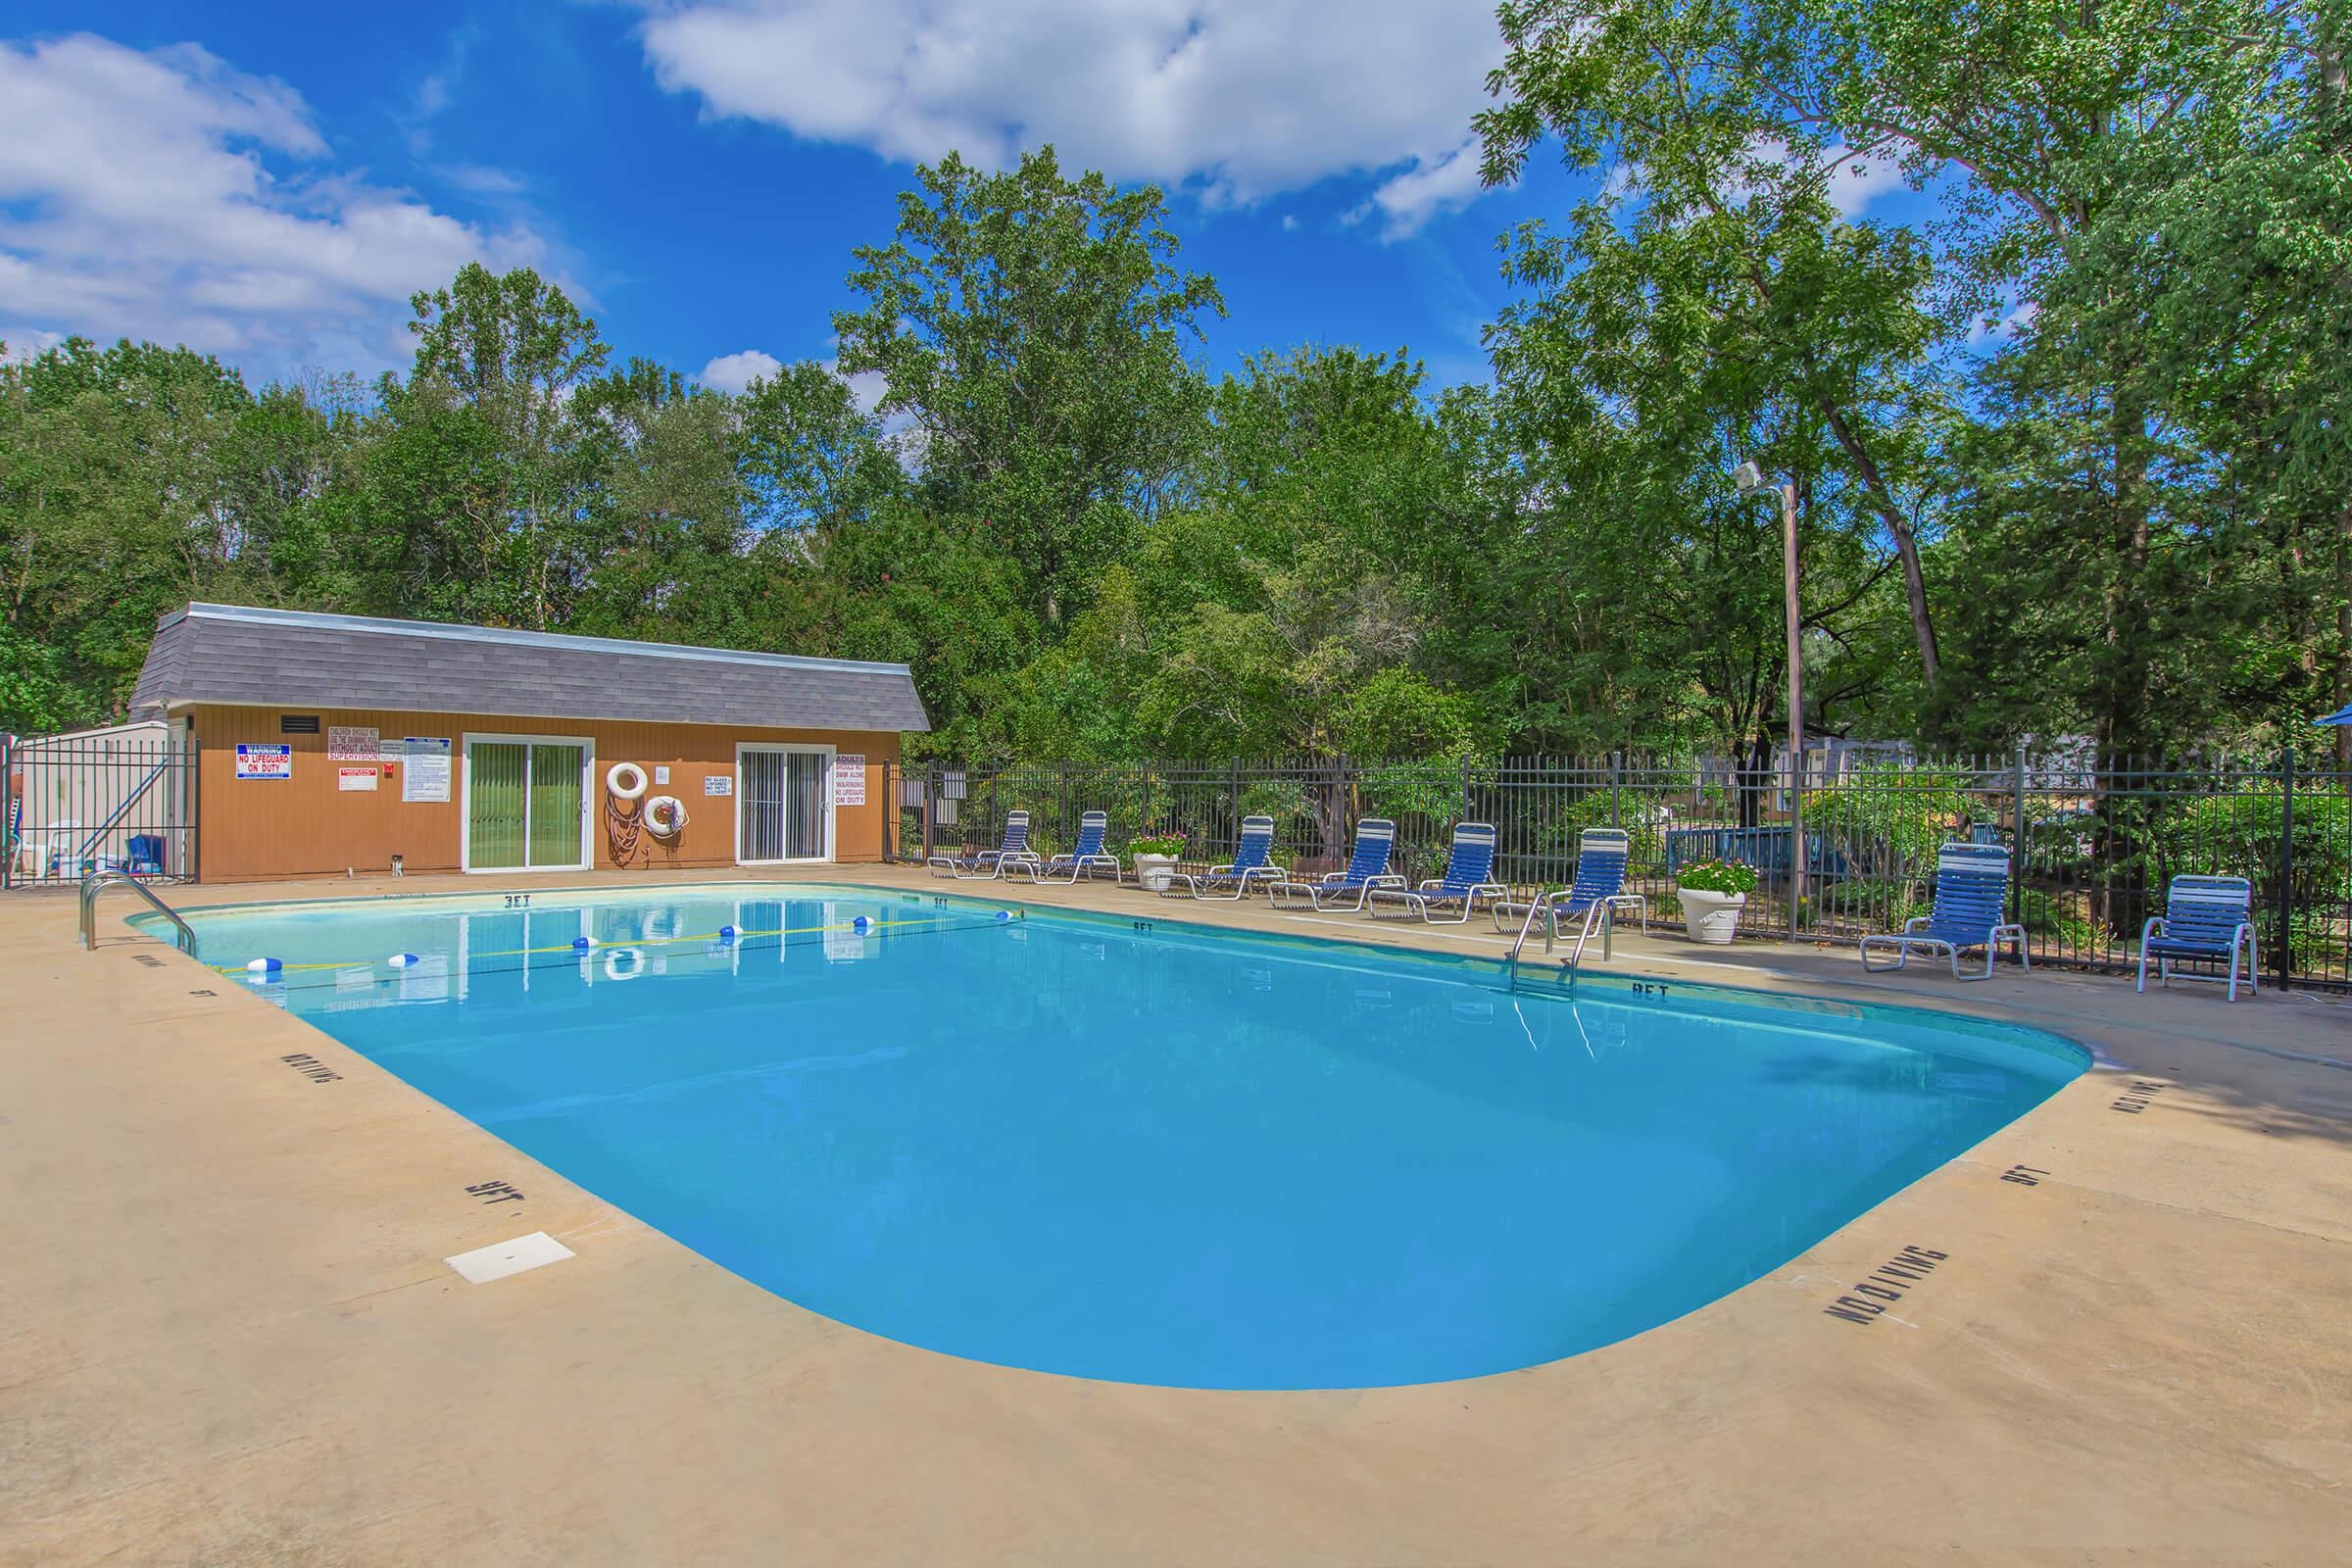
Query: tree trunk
{"points": [[1906, 545]]}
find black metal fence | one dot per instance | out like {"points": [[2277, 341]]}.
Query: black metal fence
{"points": [[121, 799], [2093, 847]]}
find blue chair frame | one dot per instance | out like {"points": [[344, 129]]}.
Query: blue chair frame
{"points": [[2210, 918], [1968, 911], [989, 864], [1469, 874], [1252, 864]]}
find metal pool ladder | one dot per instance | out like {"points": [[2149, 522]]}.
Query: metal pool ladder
{"points": [[1597, 913], [98, 882]]}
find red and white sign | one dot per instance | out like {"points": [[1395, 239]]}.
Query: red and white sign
{"points": [[849, 779], [355, 778], [353, 743]]}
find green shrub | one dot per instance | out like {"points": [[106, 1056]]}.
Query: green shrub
{"points": [[2043, 914]]}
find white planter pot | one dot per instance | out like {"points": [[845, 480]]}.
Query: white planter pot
{"points": [[1711, 917], [1154, 871]]}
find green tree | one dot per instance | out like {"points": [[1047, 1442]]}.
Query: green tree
{"points": [[499, 361], [1034, 330]]}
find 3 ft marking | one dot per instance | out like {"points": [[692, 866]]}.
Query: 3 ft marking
{"points": [[2137, 1098], [1888, 1284], [2024, 1175], [518, 901], [311, 1068], [496, 1192]]}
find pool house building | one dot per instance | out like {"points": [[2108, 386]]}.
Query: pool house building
{"points": [[317, 744]]}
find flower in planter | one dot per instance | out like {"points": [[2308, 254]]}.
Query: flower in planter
{"points": [[1717, 876], [1170, 842]]}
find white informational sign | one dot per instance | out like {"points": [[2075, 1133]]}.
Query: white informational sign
{"points": [[264, 762], [660, 774], [427, 777], [718, 784], [849, 779], [353, 743], [355, 778]]}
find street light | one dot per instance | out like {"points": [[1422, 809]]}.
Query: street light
{"points": [[1748, 481]]}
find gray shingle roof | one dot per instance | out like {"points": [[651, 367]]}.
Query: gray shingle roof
{"points": [[298, 658]]}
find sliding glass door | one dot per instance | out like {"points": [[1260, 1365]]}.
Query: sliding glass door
{"points": [[526, 804], [783, 803]]}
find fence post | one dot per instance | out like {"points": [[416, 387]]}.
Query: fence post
{"points": [[11, 818], [2017, 842], [930, 809], [1616, 777], [1796, 838], [2286, 870]]}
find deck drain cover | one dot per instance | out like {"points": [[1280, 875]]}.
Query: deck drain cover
{"points": [[501, 1258]]}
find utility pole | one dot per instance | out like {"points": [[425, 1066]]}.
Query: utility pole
{"points": [[1748, 481]]}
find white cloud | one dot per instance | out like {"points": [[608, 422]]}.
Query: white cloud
{"points": [[1990, 334], [1405, 201], [732, 372], [1242, 98], [164, 194], [867, 388], [1856, 180], [1850, 180]]}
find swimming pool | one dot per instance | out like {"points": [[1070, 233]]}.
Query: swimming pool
{"points": [[1124, 1147]]}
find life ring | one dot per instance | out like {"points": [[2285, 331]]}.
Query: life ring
{"points": [[664, 816], [626, 780]]}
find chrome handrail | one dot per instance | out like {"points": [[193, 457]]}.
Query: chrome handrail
{"points": [[98, 882], [1546, 904]]}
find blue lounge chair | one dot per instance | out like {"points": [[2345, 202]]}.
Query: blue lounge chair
{"points": [[1469, 876], [1251, 866], [1085, 856], [2207, 917], [1599, 890], [1367, 868], [1971, 895], [989, 864]]}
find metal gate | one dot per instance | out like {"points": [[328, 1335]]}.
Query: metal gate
{"points": [[117, 798]]}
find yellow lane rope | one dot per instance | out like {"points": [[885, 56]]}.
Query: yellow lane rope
{"points": [[871, 925]]}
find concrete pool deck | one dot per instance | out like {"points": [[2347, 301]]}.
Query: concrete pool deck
{"points": [[227, 1334]]}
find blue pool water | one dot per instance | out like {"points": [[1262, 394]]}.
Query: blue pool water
{"points": [[1158, 1156]]}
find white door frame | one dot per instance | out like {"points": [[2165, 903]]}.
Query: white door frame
{"points": [[587, 746], [828, 752]]}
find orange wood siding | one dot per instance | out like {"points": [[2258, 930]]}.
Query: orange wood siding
{"points": [[309, 827]]}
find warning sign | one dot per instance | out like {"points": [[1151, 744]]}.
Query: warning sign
{"points": [[353, 743], [849, 779], [264, 762], [355, 778]]}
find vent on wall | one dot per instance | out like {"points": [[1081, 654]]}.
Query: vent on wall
{"points": [[297, 723]]}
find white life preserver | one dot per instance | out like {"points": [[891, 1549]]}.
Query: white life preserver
{"points": [[664, 814], [626, 780]]}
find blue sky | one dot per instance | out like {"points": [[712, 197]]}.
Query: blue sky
{"points": [[268, 181]]}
